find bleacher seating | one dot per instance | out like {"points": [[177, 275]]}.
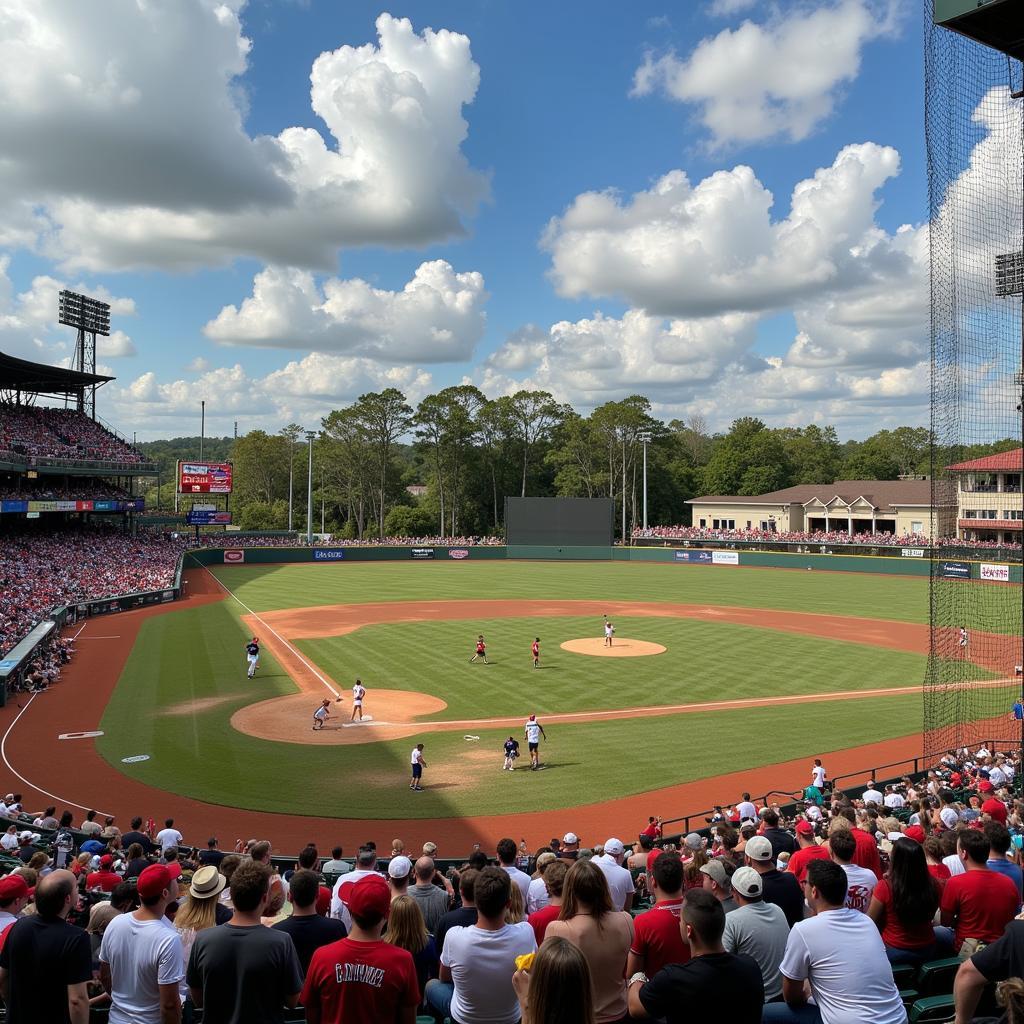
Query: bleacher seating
{"points": [[41, 432]]}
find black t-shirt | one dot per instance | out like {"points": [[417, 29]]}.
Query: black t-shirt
{"points": [[309, 933], [784, 891], [136, 867], [1003, 958], [138, 837], [244, 973], [694, 990], [42, 957], [781, 840], [464, 917], [511, 746], [252, 649], [211, 857]]}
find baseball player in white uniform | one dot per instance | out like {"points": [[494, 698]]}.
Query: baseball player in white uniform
{"points": [[321, 715], [609, 631], [534, 730], [358, 693]]}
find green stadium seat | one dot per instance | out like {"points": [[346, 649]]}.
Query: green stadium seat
{"points": [[905, 975], [909, 996], [935, 978], [932, 1010]]}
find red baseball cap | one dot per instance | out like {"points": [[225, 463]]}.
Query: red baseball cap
{"points": [[916, 833], [154, 880], [370, 895], [804, 828], [106, 860], [996, 809], [323, 901], [986, 787], [13, 887]]}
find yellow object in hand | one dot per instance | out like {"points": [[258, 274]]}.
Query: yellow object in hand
{"points": [[525, 962]]}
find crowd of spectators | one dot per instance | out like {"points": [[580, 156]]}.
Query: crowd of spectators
{"points": [[36, 432], [765, 918], [41, 571], [15, 487], [879, 539], [830, 538]]}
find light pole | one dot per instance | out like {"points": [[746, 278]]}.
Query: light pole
{"points": [[310, 434], [202, 428], [645, 439]]}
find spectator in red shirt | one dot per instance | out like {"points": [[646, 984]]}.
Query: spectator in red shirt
{"points": [[995, 809], [904, 904], [979, 903], [106, 878], [808, 850], [657, 939], [866, 853], [933, 854], [554, 879], [653, 830], [360, 979]]}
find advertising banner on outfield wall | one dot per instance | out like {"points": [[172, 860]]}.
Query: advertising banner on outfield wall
{"points": [[725, 557], [912, 552], [955, 570], [421, 552], [232, 556], [703, 557], [328, 554], [458, 553], [1001, 573]]}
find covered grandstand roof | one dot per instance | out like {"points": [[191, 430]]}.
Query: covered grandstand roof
{"points": [[1007, 462], [22, 375]]}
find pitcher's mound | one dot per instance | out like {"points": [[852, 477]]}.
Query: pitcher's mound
{"points": [[624, 648]]}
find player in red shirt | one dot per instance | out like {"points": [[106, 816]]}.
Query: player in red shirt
{"points": [[535, 650], [360, 979], [980, 902], [809, 850], [481, 650], [657, 940]]}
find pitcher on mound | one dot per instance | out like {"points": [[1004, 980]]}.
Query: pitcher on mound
{"points": [[609, 632]]}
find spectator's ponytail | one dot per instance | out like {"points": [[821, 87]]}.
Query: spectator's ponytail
{"points": [[1010, 994]]}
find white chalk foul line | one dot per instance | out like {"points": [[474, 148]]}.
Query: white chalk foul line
{"points": [[270, 629]]}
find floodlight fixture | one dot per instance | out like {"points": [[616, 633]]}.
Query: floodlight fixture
{"points": [[89, 317]]}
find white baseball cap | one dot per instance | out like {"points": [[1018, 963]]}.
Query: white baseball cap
{"points": [[400, 867], [570, 838], [614, 847]]}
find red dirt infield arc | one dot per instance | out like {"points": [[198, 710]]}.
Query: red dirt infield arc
{"points": [[72, 773]]}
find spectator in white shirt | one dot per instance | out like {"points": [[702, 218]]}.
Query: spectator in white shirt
{"points": [[892, 798], [872, 794], [366, 864], [168, 836], [141, 958], [506, 851], [837, 957], [620, 881], [537, 895], [860, 881], [746, 809]]}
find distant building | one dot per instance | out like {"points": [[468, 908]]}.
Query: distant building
{"points": [[899, 507], [988, 497], [417, 490]]}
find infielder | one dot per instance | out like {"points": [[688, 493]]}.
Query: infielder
{"points": [[358, 693], [609, 631], [321, 715], [252, 655], [418, 764], [534, 730], [535, 650]]}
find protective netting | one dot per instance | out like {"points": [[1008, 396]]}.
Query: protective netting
{"points": [[975, 175]]}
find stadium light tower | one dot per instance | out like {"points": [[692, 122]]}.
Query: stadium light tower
{"points": [[644, 438], [310, 434], [89, 317]]}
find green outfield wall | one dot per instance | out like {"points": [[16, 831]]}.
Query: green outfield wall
{"points": [[896, 564]]}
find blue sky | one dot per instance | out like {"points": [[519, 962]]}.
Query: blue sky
{"points": [[544, 268]]}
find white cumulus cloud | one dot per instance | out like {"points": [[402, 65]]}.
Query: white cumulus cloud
{"points": [[438, 316], [125, 140], [779, 79]]}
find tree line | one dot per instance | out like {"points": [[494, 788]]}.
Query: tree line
{"points": [[463, 453]]}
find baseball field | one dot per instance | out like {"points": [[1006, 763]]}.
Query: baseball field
{"points": [[756, 667]]}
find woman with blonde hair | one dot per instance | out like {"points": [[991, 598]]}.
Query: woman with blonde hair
{"points": [[695, 856], [602, 935], [197, 912], [557, 988], [407, 930], [515, 912]]}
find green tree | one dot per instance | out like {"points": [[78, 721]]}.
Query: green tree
{"points": [[291, 434], [383, 418], [533, 414], [814, 453]]}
